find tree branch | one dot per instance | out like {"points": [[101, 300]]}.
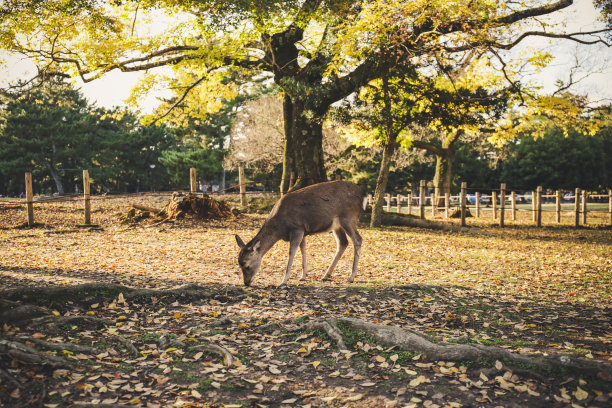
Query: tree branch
{"points": [[430, 147], [182, 98]]}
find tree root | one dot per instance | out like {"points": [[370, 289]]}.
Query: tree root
{"points": [[89, 291], [75, 348], [412, 341], [129, 346], [228, 358], [14, 312], [53, 321], [30, 355], [6, 375]]}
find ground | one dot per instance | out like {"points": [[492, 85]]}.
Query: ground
{"points": [[155, 315]]}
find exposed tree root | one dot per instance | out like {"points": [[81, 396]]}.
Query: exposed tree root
{"points": [[7, 376], [54, 322], [75, 348], [412, 341], [13, 312], [89, 292], [127, 344], [228, 359], [30, 355]]}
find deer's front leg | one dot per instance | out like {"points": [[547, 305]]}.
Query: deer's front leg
{"points": [[294, 242], [303, 250]]}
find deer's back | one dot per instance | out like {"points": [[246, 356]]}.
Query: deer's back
{"points": [[316, 207]]}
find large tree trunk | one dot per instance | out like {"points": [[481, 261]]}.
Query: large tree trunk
{"points": [[288, 177], [307, 135], [444, 162], [58, 181], [443, 175]]}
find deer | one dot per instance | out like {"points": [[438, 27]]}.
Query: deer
{"points": [[329, 206]]}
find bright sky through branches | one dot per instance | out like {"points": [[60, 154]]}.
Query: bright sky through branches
{"points": [[595, 60]]}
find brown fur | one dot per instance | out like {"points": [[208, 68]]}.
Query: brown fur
{"points": [[334, 205]]}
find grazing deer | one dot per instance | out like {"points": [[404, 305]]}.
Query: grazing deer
{"points": [[332, 206]]}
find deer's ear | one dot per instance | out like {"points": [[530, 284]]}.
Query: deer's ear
{"points": [[239, 241]]}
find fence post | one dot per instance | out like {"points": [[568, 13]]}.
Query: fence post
{"points": [[610, 205], [447, 204], [477, 199], [422, 200], [29, 198], [577, 207], [388, 201], [192, 180], [558, 206], [241, 181], [434, 201], [585, 199], [410, 202], [399, 203], [463, 202], [369, 199], [494, 202], [539, 206], [513, 205], [502, 202], [87, 197], [434, 204], [533, 206]]}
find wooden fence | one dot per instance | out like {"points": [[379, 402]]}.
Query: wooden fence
{"points": [[30, 200], [498, 203], [503, 205]]}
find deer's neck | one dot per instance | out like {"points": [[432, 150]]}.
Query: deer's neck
{"points": [[268, 235]]}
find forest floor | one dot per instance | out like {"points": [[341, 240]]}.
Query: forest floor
{"points": [[155, 315]]}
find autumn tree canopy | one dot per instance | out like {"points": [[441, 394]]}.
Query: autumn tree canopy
{"points": [[319, 52]]}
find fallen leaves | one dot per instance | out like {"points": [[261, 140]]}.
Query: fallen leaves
{"points": [[511, 289]]}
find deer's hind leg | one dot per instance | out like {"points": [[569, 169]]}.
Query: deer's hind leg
{"points": [[350, 226], [303, 250], [341, 244]]}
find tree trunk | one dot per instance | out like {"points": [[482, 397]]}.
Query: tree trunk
{"points": [[288, 176], [58, 181], [443, 175], [307, 133], [444, 161], [381, 184]]}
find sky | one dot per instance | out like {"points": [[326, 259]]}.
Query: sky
{"points": [[115, 87]]}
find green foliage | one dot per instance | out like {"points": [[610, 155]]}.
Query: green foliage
{"points": [[558, 161], [53, 132]]}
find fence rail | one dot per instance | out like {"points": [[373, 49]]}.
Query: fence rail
{"points": [[502, 203], [499, 202], [86, 197]]}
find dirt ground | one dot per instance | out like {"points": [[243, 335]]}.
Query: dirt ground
{"points": [[155, 315]]}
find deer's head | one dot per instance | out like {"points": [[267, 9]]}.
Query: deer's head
{"points": [[249, 259]]}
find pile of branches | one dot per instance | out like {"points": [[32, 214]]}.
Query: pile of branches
{"points": [[181, 205]]}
